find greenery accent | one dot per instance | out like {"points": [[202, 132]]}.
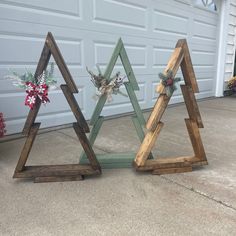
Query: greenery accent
{"points": [[20, 80], [169, 82]]}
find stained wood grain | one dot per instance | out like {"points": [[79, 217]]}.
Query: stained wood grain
{"points": [[51, 43], [147, 146], [87, 147], [187, 66], [48, 179], [196, 140], [56, 170], [75, 107], [172, 170], [191, 105], [27, 147]]}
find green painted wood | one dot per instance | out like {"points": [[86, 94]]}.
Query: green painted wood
{"points": [[128, 69], [140, 132], [138, 128], [113, 60], [117, 160], [93, 135], [98, 109], [135, 103], [114, 160]]}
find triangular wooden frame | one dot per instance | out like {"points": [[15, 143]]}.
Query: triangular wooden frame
{"points": [[179, 58], [118, 160], [50, 173]]}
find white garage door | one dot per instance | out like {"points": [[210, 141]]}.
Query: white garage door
{"points": [[87, 31]]}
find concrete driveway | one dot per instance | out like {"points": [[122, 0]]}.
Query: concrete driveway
{"points": [[121, 201]]}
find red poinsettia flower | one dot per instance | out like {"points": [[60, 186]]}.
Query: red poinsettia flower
{"points": [[169, 82], [30, 100]]}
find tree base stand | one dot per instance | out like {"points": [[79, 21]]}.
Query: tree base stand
{"points": [[162, 166]]}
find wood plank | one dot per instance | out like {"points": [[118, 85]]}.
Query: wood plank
{"points": [[87, 147], [147, 145], [196, 140], [172, 170], [27, 147], [42, 65], [113, 60], [163, 99], [140, 132], [187, 67], [92, 137], [75, 108], [98, 109], [157, 112], [134, 102], [48, 179], [128, 69], [191, 104], [170, 162], [173, 65], [51, 43], [56, 170]]}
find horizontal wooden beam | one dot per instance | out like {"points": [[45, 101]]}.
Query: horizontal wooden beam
{"points": [[56, 170], [58, 178], [172, 170]]}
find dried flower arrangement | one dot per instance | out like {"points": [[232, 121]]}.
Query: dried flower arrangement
{"points": [[105, 87]]}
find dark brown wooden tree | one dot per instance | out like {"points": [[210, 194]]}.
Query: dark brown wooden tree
{"points": [[179, 58], [50, 173]]}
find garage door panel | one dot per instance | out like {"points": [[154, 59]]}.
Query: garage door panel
{"points": [[132, 15], [87, 32], [14, 50], [17, 100], [137, 54]]}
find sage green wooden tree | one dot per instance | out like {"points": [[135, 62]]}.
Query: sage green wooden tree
{"points": [[117, 160]]}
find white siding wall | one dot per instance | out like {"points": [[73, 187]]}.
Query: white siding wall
{"points": [[86, 32], [231, 41]]}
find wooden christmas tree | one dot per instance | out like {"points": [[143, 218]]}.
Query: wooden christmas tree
{"points": [[49, 173], [117, 160], [180, 58]]}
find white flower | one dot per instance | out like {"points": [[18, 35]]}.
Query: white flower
{"points": [[31, 100]]}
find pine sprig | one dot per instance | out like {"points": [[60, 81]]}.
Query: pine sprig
{"points": [[169, 82]]}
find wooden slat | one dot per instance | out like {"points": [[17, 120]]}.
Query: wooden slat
{"points": [[187, 66], [75, 108], [87, 147], [172, 170], [169, 162], [113, 60], [196, 140], [58, 178], [191, 104], [147, 145], [134, 102], [50, 41], [128, 69], [42, 65], [140, 132], [98, 109], [92, 136], [56, 170], [163, 99], [157, 112], [27, 147], [173, 65]]}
